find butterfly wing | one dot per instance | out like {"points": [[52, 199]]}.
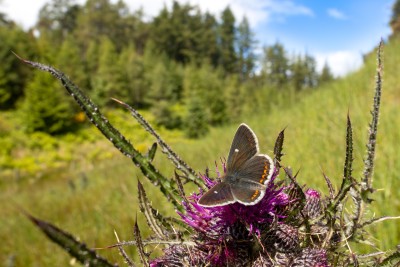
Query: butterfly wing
{"points": [[253, 177], [244, 147], [218, 195]]}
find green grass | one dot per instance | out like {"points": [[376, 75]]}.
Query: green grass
{"points": [[96, 192]]}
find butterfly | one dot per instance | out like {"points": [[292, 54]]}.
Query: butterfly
{"points": [[247, 173]]}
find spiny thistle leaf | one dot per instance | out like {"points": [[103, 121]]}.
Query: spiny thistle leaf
{"points": [[347, 169], [143, 255], [147, 209], [165, 148], [180, 186], [279, 147], [152, 152], [347, 181], [392, 260], [123, 253], [330, 186], [111, 133], [66, 241], [366, 184], [361, 196]]}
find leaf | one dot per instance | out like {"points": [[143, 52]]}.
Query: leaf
{"points": [[143, 255], [152, 152], [123, 253], [70, 244], [180, 186], [279, 146], [347, 181], [147, 210], [373, 129]]}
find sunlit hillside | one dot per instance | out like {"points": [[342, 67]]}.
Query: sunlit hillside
{"points": [[93, 199]]}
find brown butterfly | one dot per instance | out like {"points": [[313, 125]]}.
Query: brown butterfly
{"points": [[247, 173]]}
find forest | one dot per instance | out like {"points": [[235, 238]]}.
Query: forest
{"points": [[190, 68]]}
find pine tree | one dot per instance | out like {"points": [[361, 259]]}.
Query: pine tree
{"points": [[246, 45], [196, 121], [275, 65], [298, 73], [326, 74], [13, 74], [57, 20], [311, 75], [108, 81], [70, 60], [227, 42], [45, 107], [208, 41], [133, 80], [395, 19], [165, 81], [236, 99]]}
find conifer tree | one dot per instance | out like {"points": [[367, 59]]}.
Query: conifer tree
{"points": [[70, 60], [311, 75], [46, 107], [132, 72], [107, 82], [246, 45], [13, 74], [227, 42], [209, 41], [196, 121], [57, 20], [298, 73], [395, 19], [275, 65], [326, 74]]}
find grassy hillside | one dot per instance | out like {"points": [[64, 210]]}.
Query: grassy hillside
{"points": [[97, 192]]}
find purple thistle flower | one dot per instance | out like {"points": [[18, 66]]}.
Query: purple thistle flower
{"points": [[220, 228], [240, 235], [313, 207]]}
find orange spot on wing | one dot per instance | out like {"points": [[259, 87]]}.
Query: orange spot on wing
{"points": [[255, 195], [263, 177]]}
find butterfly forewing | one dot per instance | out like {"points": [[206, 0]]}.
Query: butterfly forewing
{"points": [[244, 147], [254, 175], [218, 195]]}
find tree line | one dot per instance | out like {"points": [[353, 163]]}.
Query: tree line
{"points": [[191, 68]]}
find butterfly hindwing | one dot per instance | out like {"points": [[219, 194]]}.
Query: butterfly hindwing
{"points": [[218, 195], [244, 147], [253, 176]]}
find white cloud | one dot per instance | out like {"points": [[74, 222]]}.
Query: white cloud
{"points": [[337, 14], [340, 62], [25, 11]]}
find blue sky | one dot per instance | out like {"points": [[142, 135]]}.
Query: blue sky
{"points": [[337, 32]]}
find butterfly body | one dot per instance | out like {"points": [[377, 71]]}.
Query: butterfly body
{"points": [[247, 173]]}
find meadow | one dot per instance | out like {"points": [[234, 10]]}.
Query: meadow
{"points": [[90, 190]]}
